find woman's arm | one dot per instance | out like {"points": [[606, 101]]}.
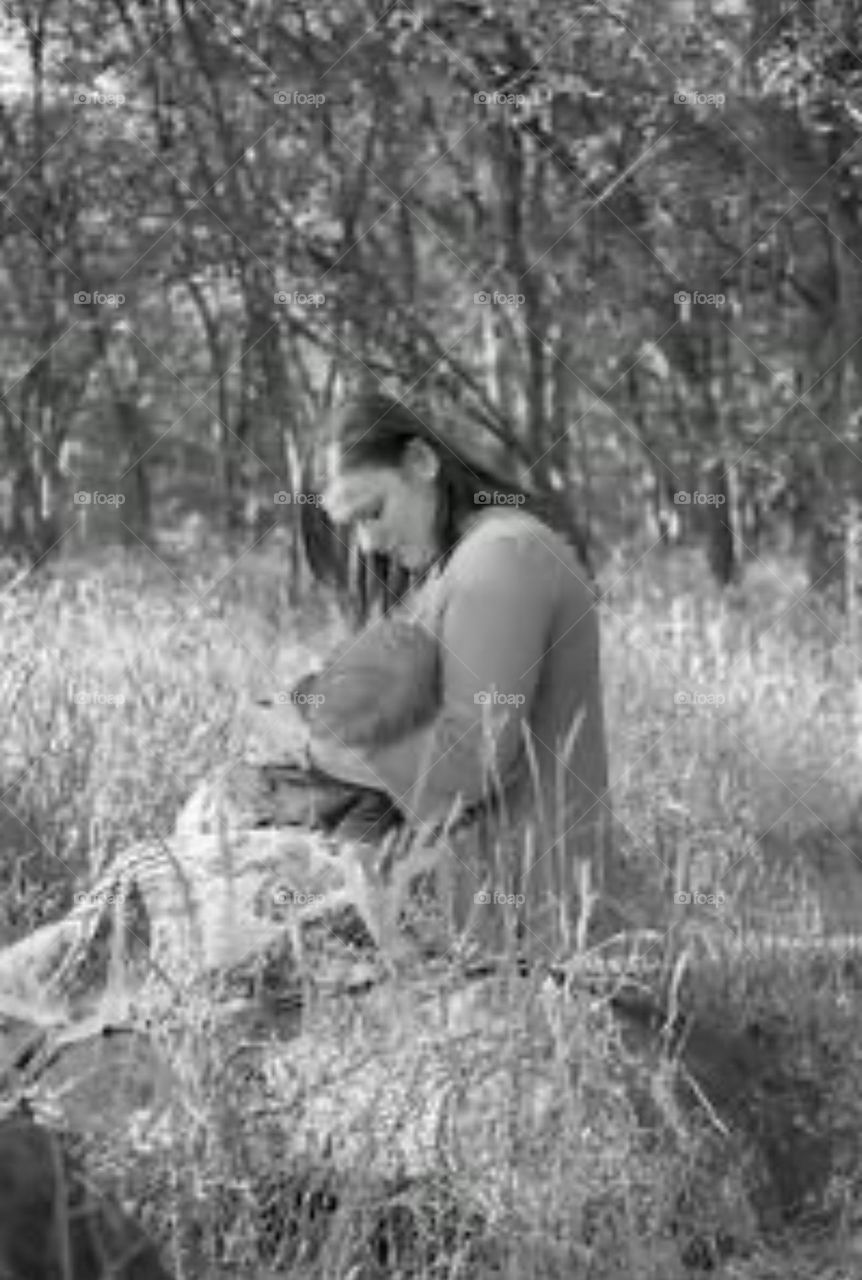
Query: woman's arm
{"points": [[495, 633]]}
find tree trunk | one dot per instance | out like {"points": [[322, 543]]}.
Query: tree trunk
{"points": [[825, 548], [852, 533], [722, 541]]}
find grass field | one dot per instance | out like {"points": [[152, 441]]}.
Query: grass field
{"points": [[734, 729]]}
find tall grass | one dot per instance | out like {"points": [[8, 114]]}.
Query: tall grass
{"points": [[127, 680], [735, 726]]}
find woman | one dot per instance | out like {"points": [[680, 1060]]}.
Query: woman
{"points": [[478, 699], [468, 721]]}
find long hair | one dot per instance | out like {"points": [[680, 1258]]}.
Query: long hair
{"points": [[376, 430]]}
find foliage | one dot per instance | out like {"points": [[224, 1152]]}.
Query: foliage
{"points": [[399, 161]]}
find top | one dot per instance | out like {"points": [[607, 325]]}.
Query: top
{"points": [[506, 639]]}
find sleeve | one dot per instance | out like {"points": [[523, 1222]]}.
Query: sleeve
{"points": [[495, 633]]}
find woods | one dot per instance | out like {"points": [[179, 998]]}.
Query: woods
{"points": [[612, 252], [617, 250]]}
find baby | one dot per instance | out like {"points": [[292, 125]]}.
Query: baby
{"points": [[375, 688]]}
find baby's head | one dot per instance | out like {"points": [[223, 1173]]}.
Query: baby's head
{"points": [[382, 685]]}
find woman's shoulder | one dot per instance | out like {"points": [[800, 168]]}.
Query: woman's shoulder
{"points": [[509, 522], [517, 546], [502, 530]]}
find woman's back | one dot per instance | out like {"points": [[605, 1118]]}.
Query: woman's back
{"points": [[561, 643]]}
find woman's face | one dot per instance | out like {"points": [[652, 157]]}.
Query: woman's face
{"points": [[393, 509]]}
